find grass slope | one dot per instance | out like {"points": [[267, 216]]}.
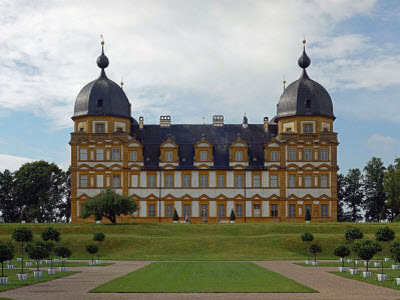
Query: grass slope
{"points": [[202, 277], [13, 282], [153, 241]]}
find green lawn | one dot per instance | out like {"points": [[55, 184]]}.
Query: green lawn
{"points": [[167, 241], [14, 283], [346, 264], [388, 283], [202, 277], [17, 264]]}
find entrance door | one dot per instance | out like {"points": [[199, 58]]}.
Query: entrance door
{"points": [[204, 210]]}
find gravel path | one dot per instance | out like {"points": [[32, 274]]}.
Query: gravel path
{"points": [[329, 286]]}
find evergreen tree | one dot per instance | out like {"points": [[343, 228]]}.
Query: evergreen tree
{"points": [[8, 206], [340, 195], [375, 196], [353, 193]]}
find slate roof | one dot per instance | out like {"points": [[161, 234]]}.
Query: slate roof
{"points": [[186, 136]]}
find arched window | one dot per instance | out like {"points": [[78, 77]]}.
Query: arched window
{"points": [[100, 103]]}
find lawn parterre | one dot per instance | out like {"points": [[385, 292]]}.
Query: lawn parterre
{"points": [[389, 283], [167, 241], [202, 277], [386, 265]]}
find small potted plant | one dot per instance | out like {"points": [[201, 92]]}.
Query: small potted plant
{"points": [[5, 254], [175, 217], [63, 252], [342, 251], [99, 237], [37, 253], [51, 235], [92, 250], [314, 249], [232, 217], [392, 247], [395, 251], [307, 238], [10, 265], [307, 217], [22, 235], [366, 251]]}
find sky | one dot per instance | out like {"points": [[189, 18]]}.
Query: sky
{"points": [[195, 59]]}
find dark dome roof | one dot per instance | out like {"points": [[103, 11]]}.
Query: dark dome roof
{"points": [[102, 96], [305, 97]]}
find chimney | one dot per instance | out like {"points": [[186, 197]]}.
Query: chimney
{"points": [[141, 122], [265, 124], [165, 121], [218, 120]]}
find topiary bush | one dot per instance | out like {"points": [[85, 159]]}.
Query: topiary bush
{"points": [[175, 217], [307, 238], [314, 249], [92, 249], [99, 237], [308, 215], [5, 254], [232, 217], [38, 253], [63, 252], [341, 251], [22, 235]]}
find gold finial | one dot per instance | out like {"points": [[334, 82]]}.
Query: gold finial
{"points": [[284, 83], [304, 42], [204, 122], [102, 40], [122, 82]]}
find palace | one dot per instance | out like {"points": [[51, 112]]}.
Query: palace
{"points": [[268, 172]]}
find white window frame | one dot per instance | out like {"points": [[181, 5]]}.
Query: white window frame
{"points": [[292, 180], [324, 180], [274, 180], [168, 155], [292, 210], [152, 210], [274, 213], [100, 154], [324, 154], [151, 180], [307, 180], [116, 154], [256, 212], [324, 210], [221, 210], [308, 154], [84, 181], [274, 155], [239, 180], [203, 180], [239, 210], [169, 210], [256, 180], [134, 155], [292, 154], [116, 184], [239, 156], [308, 128], [169, 180], [203, 155], [98, 126], [221, 183], [83, 154], [186, 180]]}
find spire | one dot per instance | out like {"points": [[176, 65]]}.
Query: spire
{"points": [[304, 61], [102, 60], [284, 83]]}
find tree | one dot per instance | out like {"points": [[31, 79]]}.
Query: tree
{"points": [[391, 186], [175, 217], [340, 195], [109, 204], [5, 254], [92, 249], [99, 237], [366, 251], [307, 238], [63, 252], [375, 196], [232, 217], [315, 248], [341, 251], [38, 253], [22, 235], [392, 246], [353, 193], [308, 215], [52, 235], [384, 235], [40, 186], [351, 235], [395, 253], [8, 205]]}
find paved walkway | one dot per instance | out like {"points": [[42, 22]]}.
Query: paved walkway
{"points": [[329, 286]]}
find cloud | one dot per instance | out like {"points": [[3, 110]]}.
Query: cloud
{"points": [[12, 162], [182, 58], [384, 146]]}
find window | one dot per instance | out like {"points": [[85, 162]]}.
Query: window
{"points": [[308, 103], [186, 210], [324, 154], [221, 210], [115, 180], [115, 154], [168, 155], [83, 154], [308, 154], [239, 180], [203, 155], [324, 180], [274, 180], [274, 210], [239, 155], [292, 210], [133, 155], [100, 103], [307, 128], [203, 180], [256, 180], [169, 180], [99, 180], [134, 180], [99, 154], [292, 180], [309, 208], [324, 210], [152, 210], [308, 181], [203, 209], [83, 180], [186, 180], [168, 211], [256, 210], [151, 180], [292, 154], [274, 156], [239, 210], [99, 128], [221, 180]]}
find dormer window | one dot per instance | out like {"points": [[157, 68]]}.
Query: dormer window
{"points": [[100, 128], [307, 128], [308, 103], [239, 155], [100, 103]]}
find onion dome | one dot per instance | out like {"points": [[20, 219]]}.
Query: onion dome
{"points": [[305, 97], [102, 96]]}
